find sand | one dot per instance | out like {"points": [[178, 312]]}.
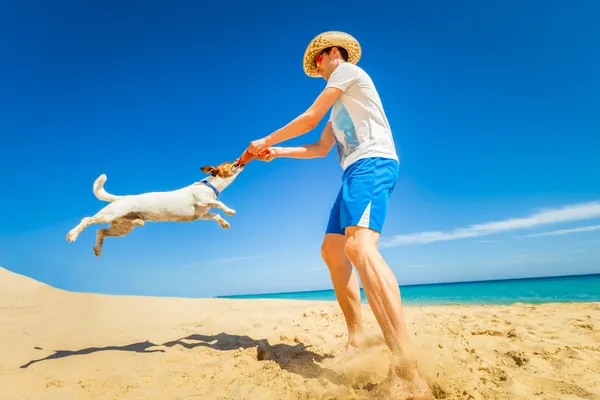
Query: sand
{"points": [[63, 345]]}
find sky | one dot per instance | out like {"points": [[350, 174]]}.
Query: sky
{"points": [[493, 105]]}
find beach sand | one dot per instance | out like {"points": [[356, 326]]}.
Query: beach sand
{"points": [[63, 345]]}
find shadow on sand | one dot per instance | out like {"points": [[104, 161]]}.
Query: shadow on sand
{"points": [[293, 358], [296, 359], [140, 347]]}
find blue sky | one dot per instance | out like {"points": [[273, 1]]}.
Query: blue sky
{"points": [[494, 109]]}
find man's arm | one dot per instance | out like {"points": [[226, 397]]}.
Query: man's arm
{"points": [[307, 120], [313, 150], [301, 124]]}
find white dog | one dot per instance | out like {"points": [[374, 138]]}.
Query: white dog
{"points": [[187, 204]]}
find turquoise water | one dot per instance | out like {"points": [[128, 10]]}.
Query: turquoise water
{"points": [[532, 290]]}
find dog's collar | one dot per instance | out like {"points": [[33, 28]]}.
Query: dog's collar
{"points": [[210, 185]]}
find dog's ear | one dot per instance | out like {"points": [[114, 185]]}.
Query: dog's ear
{"points": [[209, 169]]}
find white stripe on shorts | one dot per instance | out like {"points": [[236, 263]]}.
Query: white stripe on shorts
{"points": [[365, 219]]}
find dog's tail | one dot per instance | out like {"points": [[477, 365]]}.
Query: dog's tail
{"points": [[100, 192]]}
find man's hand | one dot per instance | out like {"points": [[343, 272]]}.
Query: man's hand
{"points": [[301, 124], [258, 146], [313, 150], [269, 154]]}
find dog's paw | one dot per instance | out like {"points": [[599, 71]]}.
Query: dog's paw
{"points": [[230, 212], [225, 225], [71, 236], [97, 251]]}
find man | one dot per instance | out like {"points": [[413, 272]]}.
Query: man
{"points": [[359, 128]]}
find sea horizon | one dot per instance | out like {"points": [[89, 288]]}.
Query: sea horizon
{"points": [[503, 291]]}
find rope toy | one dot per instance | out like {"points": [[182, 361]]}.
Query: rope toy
{"points": [[246, 157]]}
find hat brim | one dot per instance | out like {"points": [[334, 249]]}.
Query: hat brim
{"points": [[330, 39]]}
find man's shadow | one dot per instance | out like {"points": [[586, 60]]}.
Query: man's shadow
{"points": [[296, 358]]}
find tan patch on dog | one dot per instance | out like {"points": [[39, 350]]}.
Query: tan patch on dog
{"points": [[224, 170]]}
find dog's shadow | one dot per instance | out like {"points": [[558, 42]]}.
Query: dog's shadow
{"points": [[139, 347], [296, 358]]}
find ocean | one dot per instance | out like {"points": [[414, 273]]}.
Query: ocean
{"points": [[575, 288]]}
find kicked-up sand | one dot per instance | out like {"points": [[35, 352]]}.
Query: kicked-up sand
{"points": [[62, 345]]}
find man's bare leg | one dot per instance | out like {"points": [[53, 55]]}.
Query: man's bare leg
{"points": [[345, 285], [383, 294]]}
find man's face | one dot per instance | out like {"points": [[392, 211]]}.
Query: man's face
{"points": [[326, 63]]}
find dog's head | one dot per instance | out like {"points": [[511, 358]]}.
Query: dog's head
{"points": [[224, 170]]}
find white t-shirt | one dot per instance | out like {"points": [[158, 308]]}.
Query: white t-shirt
{"points": [[359, 124]]}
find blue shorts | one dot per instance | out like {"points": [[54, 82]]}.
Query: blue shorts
{"points": [[363, 198]]}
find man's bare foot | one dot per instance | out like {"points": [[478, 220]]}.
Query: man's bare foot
{"points": [[351, 350], [398, 388], [404, 382], [358, 345]]}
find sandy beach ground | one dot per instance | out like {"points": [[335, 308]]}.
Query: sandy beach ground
{"points": [[63, 345]]}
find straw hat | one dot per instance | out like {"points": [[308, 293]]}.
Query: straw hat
{"points": [[330, 39]]}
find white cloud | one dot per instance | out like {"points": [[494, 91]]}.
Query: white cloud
{"points": [[523, 259], [563, 231], [233, 259], [573, 212], [579, 251]]}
